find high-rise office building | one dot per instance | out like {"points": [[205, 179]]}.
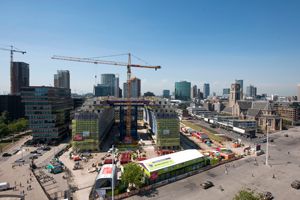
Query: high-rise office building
{"points": [[166, 93], [14, 106], [241, 82], [135, 89], [194, 91], [251, 91], [298, 92], [226, 91], [113, 82], [183, 90], [102, 90], [49, 110], [198, 94], [19, 77], [62, 79], [206, 90]]}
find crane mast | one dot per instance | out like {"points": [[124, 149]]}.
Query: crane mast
{"points": [[129, 80]]}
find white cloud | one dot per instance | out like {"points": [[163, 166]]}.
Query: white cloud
{"points": [[165, 80]]}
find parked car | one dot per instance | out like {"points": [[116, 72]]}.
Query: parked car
{"points": [[264, 140], [35, 151], [19, 160], [286, 135], [6, 154], [38, 154], [40, 148], [33, 157], [46, 149]]}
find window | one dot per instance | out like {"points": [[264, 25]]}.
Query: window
{"points": [[172, 167]]}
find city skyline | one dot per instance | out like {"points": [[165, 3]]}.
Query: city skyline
{"points": [[212, 45]]}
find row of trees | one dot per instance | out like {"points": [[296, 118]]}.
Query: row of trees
{"points": [[7, 126]]}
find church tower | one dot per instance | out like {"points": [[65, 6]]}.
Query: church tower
{"points": [[235, 94]]}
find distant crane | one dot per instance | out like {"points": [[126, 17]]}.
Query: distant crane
{"points": [[12, 50], [129, 80]]}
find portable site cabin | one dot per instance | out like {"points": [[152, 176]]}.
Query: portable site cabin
{"points": [[172, 165], [4, 186], [107, 174]]}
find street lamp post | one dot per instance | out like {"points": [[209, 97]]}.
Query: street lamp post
{"points": [[112, 181], [267, 155]]}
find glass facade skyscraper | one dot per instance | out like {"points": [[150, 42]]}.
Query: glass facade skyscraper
{"points": [[166, 93], [183, 90], [206, 90], [49, 110], [113, 82]]}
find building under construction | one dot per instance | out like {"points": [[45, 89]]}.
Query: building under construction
{"points": [[94, 119]]}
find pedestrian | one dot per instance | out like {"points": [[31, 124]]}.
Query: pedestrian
{"points": [[15, 183], [30, 179], [30, 174], [23, 192], [30, 187], [27, 181], [252, 175], [20, 184], [289, 153], [233, 165], [27, 188], [20, 193]]}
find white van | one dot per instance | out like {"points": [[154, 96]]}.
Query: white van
{"points": [[4, 186]]}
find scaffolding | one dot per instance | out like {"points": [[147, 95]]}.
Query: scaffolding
{"points": [[167, 131]]}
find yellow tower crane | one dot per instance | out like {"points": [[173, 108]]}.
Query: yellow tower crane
{"points": [[129, 80]]}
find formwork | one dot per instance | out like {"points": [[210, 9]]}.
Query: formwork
{"points": [[168, 126]]}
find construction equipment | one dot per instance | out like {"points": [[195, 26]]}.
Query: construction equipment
{"points": [[12, 50], [128, 138]]}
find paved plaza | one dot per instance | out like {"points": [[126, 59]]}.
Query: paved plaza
{"points": [[285, 165]]}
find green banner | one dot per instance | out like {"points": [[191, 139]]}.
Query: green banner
{"points": [[160, 163]]}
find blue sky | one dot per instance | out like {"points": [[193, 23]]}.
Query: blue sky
{"points": [[205, 41]]}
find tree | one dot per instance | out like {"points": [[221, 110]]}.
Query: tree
{"points": [[3, 130], [247, 194], [5, 117], [183, 106], [132, 174]]}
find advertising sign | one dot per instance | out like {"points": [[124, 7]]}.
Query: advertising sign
{"points": [[77, 137], [160, 163], [128, 140], [86, 134], [107, 170], [89, 140], [153, 175], [166, 132]]}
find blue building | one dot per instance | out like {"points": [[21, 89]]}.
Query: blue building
{"points": [[206, 90], [102, 90], [183, 90], [166, 93]]}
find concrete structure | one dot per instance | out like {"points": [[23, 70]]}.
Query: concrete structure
{"points": [[251, 91], [135, 89], [226, 91], [235, 94], [241, 82], [218, 106], [62, 79], [183, 90], [13, 104], [19, 77], [274, 97], [166, 94], [49, 111], [206, 90], [288, 112]]}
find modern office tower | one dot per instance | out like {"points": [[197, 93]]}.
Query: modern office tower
{"points": [[298, 92], [135, 89], [49, 111], [206, 90], [14, 106], [198, 93], [19, 77], [235, 94], [226, 91], [241, 82], [102, 90], [62, 79], [251, 91], [120, 93], [113, 81], [194, 91], [166, 93], [183, 90]]}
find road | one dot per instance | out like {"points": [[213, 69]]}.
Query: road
{"points": [[284, 166]]}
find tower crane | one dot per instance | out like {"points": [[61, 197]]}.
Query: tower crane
{"points": [[12, 50], [129, 80]]}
